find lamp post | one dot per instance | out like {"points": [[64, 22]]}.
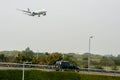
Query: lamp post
{"points": [[89, 51], [37, 54], [23, 71]]}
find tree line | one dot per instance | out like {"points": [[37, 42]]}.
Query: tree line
{"points": [[27, 55]]}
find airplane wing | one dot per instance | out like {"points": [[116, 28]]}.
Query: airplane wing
{"points": [[24, 11]]}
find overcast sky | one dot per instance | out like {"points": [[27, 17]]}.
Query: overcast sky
{"points": [[66, 27]]}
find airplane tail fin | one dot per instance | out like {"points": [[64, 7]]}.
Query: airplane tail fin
{"points": [[28, 10]]}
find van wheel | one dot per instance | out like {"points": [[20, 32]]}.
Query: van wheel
{"points": [[62, 70]]}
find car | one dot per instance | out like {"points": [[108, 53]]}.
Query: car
{"points": [[66, 66]]}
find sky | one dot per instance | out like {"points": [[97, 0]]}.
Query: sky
{"points": [[66, 27]]}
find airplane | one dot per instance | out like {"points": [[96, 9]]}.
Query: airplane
{"points": [[28, 12]]}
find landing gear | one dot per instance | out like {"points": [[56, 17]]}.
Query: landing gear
{"points": [[44, 14]]}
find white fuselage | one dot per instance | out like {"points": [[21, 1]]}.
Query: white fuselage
{"points": [[42, 12], [30, 13]]}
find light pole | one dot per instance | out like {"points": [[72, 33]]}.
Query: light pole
{"points": [[37, 54], [89, 51], [23, 71]]}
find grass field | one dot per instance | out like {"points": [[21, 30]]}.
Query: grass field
{"points": [[43, 75]]}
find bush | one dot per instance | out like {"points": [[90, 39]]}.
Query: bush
{"points": [[98, 67], [115, 68]]}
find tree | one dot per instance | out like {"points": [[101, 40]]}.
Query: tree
{"points": [[23, 58], [117, 60], [2, 57], [29, 52], [42, 58], [27, 55], [107, 61], [54, 57]]}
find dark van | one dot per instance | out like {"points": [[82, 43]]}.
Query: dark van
{"points": [[66, 66]]}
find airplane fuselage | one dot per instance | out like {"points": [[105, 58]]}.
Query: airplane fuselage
{"points": [[42, 12], [38, 13]]}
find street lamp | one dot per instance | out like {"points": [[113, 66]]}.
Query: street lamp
{"points": [[24, 69], [89, 51], [37, 54]]}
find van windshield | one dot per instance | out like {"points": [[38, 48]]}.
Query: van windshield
{"points": [[66, 63]]}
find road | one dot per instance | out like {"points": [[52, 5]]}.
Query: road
{"points": [[81, 72], [18, 66]]}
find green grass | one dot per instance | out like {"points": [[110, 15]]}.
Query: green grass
{"points": [[42, 75]]}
